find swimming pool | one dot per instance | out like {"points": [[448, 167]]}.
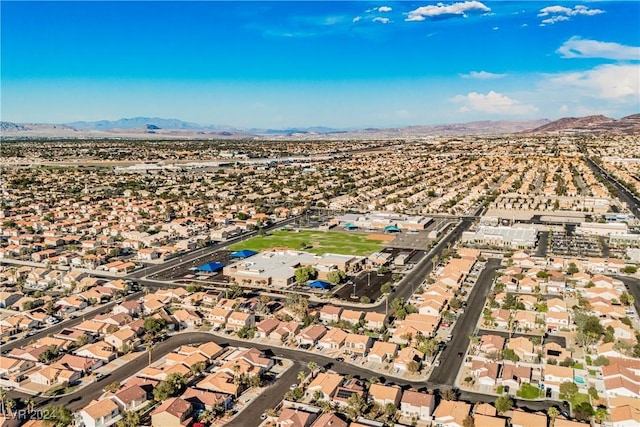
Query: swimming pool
{"points": [[579, 380]]}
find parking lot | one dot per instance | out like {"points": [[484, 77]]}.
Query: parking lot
{"points": [[367, 285], [570, 244], [185, 271]]}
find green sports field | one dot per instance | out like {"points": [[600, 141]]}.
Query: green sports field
{"points": [[317, 242]]}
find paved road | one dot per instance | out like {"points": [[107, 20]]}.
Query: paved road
{"points": [[65, 324], [633, 287], [464, 327], [270, 398], [623, 193]]}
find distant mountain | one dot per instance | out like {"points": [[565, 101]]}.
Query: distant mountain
{"points": [[485, 127], [591, 124], [138, 122], [155, 127], [10, 127]]}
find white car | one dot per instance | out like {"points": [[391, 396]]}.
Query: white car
{"points": [[293, 386]]}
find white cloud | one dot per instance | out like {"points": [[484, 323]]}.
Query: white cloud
{"points": [[553, 20], [562, 13], [496, 28], [482, 75], [611, 82], [456, 9], [493, 103], [384, 9], [357, 18], [564, 109], [380, 19], [576, 47]]}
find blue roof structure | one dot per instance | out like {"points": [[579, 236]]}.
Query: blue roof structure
{"points": [[211, 267], [245, 253], [319, 284], [391, 229]]}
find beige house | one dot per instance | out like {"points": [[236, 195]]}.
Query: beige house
{"points": [[100, 413], [173, 412]]}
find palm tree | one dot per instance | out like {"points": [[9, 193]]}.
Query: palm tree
{"points": [[3, 397], [11, 405], [129, 419], [312, 366], [206, 416], [301, 376], [553, 413], [29, 404], [601, 414]]}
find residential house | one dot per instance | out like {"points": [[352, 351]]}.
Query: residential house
{"points": [[333, 339], [526, 419], [417, 405], [513, 376], [265, 327], [173, 412], [311, 335], [624, 416], [357, 344], [351, 316], [100, 413], [491, 344], [382, 351], [408, 359], [206, 400], [554, 375], [450, 414], [375, 321], [329, 419], [238, 320], [384, 394], [485, 372], [325, 384], [130, 398], [330, 313], [295, 417], [523, 348], [122, 339], [217, 316]]}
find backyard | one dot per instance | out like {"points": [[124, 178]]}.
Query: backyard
{"points": [[317, 242]]}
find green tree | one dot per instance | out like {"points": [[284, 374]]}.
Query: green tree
{"points": [[468, 422], [448, 394], [631, 269], [170, 387], [583, 411], [113, 387], [568, 389], [509, 354], [336, 277], [386, 288], [627, 299], [129, 419], [57, 416], [553, 412], [503, 404], [306, 273], [356, 406], [601, 361], [573, 268], [154, 326]]}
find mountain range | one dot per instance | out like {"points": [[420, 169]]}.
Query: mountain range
{"points": [[156, 127]]}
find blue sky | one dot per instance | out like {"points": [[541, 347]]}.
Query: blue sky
{"points": [[331, 63]]}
